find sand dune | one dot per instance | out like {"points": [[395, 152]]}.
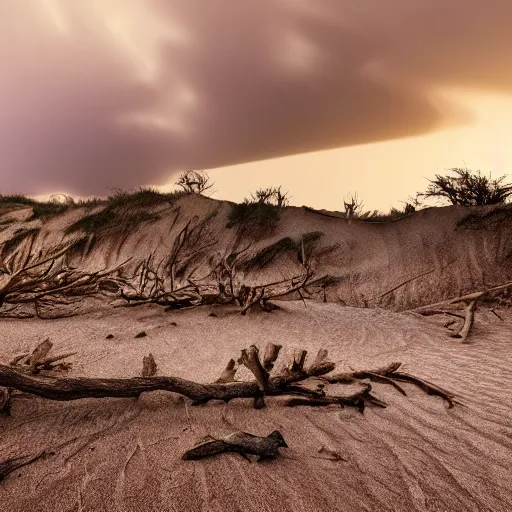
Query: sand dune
{"points": [[124, 454], [436, 258]]}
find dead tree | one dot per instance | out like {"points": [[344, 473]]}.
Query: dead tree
{"points": [[234, 290], [29, 275], [173, 281], [353, 206], [271, 195], [454, 307], [314, 382], [194, 182]]}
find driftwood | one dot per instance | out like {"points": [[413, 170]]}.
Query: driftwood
{"points": [[469, 319], [39, 359], [28, 275], [470, 300], [296, 379], [149, 367], [464, 298], [228, 375], [239, 442]]}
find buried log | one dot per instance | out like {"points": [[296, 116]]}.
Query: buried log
{"points": [[308, 381], [239, 442]]}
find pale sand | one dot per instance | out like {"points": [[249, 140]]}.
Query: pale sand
{"points": [[415, 455], [439, 259]]}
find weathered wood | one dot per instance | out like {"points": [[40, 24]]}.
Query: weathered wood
{"points": [[464, 298], [66, 388], [47, 362], [250, 359], [429, 388], [311, 382], [18, 357], [270, 355], [239, 442], [469, 319], [320, 357], [228, 375], [38, 355], [299, 358], [149, 367]]}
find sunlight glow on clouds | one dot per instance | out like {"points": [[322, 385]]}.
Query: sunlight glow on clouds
{"points": [[99, 94]]}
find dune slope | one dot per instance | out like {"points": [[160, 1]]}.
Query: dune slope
{"points": [[419, 259]]}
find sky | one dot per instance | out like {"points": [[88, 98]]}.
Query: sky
{"points": [[324, 97]]}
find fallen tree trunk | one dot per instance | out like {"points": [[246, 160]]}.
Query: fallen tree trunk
{"points": [[65, 388], [463, 298], [310, 381]]}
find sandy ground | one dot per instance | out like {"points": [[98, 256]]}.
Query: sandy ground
{"points": [[124, 454]]}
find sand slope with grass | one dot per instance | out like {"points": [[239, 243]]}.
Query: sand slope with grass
{"points": [[433, 254], [124, 454]]}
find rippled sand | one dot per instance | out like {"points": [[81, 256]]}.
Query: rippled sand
{"points": [[124, 454]]}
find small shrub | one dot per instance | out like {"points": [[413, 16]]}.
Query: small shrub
{"points": [[260, 215], [40, 209], [468, 188], [123, 210], [267, 255], [271, 195], [394, 214], [194, 182]]}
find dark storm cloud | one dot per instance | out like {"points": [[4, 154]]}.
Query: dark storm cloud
{"points": [[264, 78]]}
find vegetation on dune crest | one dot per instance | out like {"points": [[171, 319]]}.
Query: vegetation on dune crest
{"points": [[261, 211], [259, 215], [144, 197], [194, 182], [41, 209], [469, 188], [267, 255], [124, 210]]}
